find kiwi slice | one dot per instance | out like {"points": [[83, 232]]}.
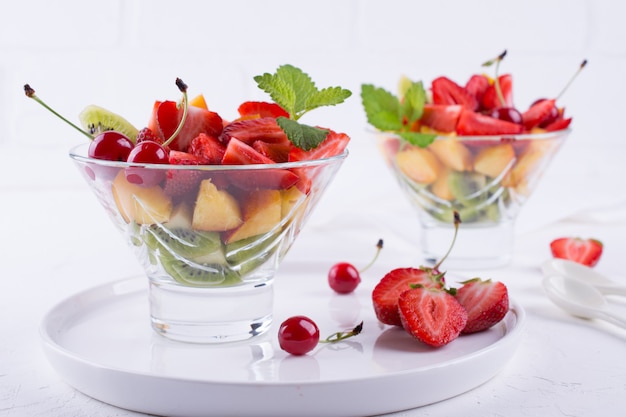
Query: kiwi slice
{"points": [[468, 187], [247, 254], [95, 119], [182, 242], [199, 274]]}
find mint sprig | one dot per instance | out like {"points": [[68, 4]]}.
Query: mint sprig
{"points": [[295, 91], [388, 113]]}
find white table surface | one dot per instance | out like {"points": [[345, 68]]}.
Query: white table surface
{"points": [[57, 241]]}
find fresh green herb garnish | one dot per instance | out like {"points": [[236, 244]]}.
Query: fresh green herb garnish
{"points": [[389, 113], [295, 92]]}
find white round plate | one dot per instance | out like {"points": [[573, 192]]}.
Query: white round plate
{"points": [[101, 343]]}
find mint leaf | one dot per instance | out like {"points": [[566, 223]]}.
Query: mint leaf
{"points": [[418, 139], [303, 136], [295, 92], [414, 100], [382, 108]]}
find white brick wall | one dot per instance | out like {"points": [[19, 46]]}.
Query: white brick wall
{"points": [[125, 54]]}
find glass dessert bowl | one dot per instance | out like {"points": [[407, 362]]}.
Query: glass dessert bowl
{"points": [[485, 179], [209, 237]]}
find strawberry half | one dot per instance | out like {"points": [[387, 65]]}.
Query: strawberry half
{"points": [[491, 100], [258, 109], [181, 182], [447, 92], [537, 113], [477, 86], [239, 153], [485, 301], [209, 148], [431, 315], [476, 124], [584, 251], [250, 130], [334, 144], [442, 118], [388, 290], [167, 115]]}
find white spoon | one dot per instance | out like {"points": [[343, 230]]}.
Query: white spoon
{"points": [[574, 270], [580, 299]]}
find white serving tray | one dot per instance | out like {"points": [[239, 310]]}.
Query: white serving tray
{"points": [[100, 342]]}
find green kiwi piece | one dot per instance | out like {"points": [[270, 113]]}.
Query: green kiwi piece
{"points": [[96, 119], [250, 253], [183, 242], [199, 274], [468, 187]]}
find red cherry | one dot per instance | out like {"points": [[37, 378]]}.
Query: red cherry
{"points": [[298, 335], [147, 152], [110, 146], [508, 114], [343, 278]]}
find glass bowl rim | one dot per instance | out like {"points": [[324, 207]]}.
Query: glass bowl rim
{"points": [[494, 138], [79, 154]]}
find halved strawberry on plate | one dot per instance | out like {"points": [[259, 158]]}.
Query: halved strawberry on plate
{"points": [[485, 301], [388, 290], [240, 153]]}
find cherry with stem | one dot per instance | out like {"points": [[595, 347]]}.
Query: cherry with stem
{"points": [[343, 277]]}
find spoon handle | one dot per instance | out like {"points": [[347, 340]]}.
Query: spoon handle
{"points": [[614, 319], [613, 289]]}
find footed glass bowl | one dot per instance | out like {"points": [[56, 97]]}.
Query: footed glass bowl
{"points": [[209, 237], [486, 179]]}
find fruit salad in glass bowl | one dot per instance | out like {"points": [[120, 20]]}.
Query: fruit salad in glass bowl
{"points": [[210, 206], [466, 148]]}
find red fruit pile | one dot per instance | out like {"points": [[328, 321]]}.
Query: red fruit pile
{"points": [[476, 109], [417, 300]]}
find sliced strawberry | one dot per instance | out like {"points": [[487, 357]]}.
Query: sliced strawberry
{"points": [[147, 134], [431, 315], [239, 153], [476, 124], [386, 293], [491, 100], [476, 87], [442, 118], [277, 152], [583, 251], [559, 124], [334, 144], [182, 182], [536, 114], [447, 92], [209, 148], [259, 109], [167, 116], [251, 130], [485, 301]]}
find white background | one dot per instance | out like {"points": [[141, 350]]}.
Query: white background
{"points": [[123, 55]]}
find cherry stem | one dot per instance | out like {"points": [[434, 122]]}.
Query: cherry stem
{"points": [[183, 89], [497, 61], [580, 68], [339, 336], [457, 221], [30, 93], [379, 247]]}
